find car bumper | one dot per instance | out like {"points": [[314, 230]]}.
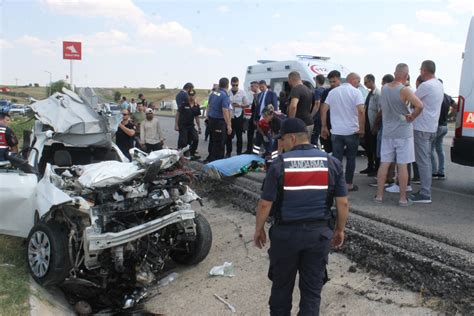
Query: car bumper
{"points": [[97, 241]]}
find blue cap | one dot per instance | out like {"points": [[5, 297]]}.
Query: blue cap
{"points": [[291, 126]]}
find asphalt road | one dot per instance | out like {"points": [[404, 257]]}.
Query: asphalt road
{"points": [[449, 218]]}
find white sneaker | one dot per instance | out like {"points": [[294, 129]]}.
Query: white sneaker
{"points": [[394, 188]]}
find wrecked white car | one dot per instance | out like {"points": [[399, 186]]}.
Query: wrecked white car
{"points": [[98, 225]]}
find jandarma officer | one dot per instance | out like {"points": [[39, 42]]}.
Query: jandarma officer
{"points": [[299, 189]]}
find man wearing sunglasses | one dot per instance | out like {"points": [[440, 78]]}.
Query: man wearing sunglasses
{"points": [[124, 136], [238, 101]]}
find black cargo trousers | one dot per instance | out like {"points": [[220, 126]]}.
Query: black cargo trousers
{"points": [[299, 248], [218, 138]]}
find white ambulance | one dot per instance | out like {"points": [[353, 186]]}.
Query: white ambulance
{"points": [[462, 149], [275, 73]]}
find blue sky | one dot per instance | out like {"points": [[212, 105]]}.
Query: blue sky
{"points": [[147, 43]]}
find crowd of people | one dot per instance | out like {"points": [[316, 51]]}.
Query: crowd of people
{"points": [[400, 127], [139, 127]]}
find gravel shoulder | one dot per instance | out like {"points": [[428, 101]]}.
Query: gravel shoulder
{"points": [[362, 292]]}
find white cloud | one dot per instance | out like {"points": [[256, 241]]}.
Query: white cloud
{"points": [[400, 39], [223, 9], [396, 40], [124, 10], [31, 41], [116, 9], [110, 38], [206, 51], [38, 46], [461, 5], [435, 17], [5, 44], [169, 31]]}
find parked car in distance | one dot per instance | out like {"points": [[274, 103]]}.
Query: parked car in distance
{"points": [[19, 109]]}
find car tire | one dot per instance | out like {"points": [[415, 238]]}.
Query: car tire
{"points": [[46, 253], [198, 249]]}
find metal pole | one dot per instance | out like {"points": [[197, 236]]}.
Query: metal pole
{"points": [[50, 81], [71, 82]]}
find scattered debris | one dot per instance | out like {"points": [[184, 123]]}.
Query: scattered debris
{"points": [[168, 279], [7, 265], [227, 269], [230, 306]]}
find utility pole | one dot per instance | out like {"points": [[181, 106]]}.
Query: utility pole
{"points": [[16, 82], [50, 81]]}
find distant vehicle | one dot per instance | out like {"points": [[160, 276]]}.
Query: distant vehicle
{"points": [[275, 73], [462, 149], [5, 106], [111, 108], [19, 109], [4, 89], [168, 105]]}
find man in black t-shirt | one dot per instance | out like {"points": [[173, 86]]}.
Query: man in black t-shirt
{"points": [[301, 100], [334, 78], [124, 137], [188, 114]]}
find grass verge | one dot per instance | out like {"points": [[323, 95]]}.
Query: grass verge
{"points": [[14, 281]]}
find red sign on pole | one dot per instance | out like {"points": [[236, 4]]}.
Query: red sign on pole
{"points": [[72, 50]]}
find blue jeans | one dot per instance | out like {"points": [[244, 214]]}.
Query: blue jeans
{"points": [[423, 141], [350, 143], [438, 150]]}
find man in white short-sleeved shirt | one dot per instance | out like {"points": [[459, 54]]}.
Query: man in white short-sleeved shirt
{"points": [[347, 120], [431, 93]]}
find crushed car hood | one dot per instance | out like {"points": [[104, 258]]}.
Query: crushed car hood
{"points": [[73, 121], [107, 173]]}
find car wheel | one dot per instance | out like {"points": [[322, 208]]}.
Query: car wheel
{"points": [[46, 253], [199, 248]]}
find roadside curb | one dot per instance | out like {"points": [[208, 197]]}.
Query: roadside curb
{"points": [[44, 301]]}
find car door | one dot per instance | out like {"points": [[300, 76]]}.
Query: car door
{"points": [[17, 200]]}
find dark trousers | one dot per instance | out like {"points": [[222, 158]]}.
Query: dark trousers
{"points": [[206, 132], [316, 131], [370, 146], [237, 129], [125, 151], [297, 249], [188, 136], [152, 147], [218, 138], [350, 143], [250, 135]]}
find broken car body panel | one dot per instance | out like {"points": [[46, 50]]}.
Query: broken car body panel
{"points": [[17, 200], [73, 121]]}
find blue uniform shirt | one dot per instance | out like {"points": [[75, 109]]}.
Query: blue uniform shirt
{"points": [[218, 100], [336, 180], [181, 97]]}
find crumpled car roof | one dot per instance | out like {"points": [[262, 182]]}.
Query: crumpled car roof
{"points": [[73, 121]]}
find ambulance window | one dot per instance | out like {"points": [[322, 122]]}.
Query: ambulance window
{"points": [[308, 84]]}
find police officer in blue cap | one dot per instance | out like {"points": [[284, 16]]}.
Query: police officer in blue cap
{"points": [[219, 120], [299, 190]]}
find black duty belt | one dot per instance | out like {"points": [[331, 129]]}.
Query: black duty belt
{"points": [[304, 223]]}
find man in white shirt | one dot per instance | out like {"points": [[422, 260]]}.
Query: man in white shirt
{"points": [[347, 121], [431, 93], [150, 132], [238, 101]]}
